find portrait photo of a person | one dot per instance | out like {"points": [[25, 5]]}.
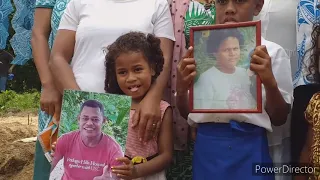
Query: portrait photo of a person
{"points": [[226, 85], [88, 153]]}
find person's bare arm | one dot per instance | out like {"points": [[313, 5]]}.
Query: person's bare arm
{"points": [[40, 47], [276, 106], [160, 84], [165, 143], [157, 164], [182, 99], [186, 72], [60, 58], [50, 97]]}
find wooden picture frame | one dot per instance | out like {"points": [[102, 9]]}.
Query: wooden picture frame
{"points": [[222, 54]]}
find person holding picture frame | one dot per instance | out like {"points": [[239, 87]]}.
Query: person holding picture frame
{"points": [[185, 14], [228, 145]]}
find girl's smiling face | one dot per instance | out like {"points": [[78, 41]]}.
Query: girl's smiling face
{"points": [[134, 74]]}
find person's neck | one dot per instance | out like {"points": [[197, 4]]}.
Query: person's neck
{"points": [[91, 141], [135, 102], [226, 69]]}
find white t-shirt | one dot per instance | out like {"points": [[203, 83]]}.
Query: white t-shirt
{"points": [[282, 72], [218, 90], [98, 23]]}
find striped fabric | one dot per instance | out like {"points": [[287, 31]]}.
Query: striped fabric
{"points": [[135, 147]]}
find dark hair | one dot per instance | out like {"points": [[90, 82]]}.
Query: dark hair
{"points": [[218, 36], [93, 104], [148, 45], [313, 68]]}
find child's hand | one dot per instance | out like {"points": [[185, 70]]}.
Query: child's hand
{"points": [[186, 72], [126, 171], [261, 65], [53, 146]]}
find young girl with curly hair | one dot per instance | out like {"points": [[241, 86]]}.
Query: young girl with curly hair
{"points": [[134, 62]]}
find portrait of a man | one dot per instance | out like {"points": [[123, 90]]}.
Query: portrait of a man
{"points": [[87, 152]]}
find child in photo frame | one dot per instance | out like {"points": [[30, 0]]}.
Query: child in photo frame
{"points": [[225, 85], [227, 145]]}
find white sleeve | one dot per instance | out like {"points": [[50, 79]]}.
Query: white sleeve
{"points": [[282, 72], [162, 21], [70, 18]]}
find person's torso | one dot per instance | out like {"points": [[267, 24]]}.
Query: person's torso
{"points": [[82, 162], [101, 23], [231, 92]]}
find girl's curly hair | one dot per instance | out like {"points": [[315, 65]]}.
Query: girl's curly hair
{"points": [[148, 45], [313, 68]]}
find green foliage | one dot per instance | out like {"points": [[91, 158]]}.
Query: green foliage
{"points": [[207, 60], [11, 101], [117, 109]]}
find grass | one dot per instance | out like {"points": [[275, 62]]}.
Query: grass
{"points": [[12, 102]]}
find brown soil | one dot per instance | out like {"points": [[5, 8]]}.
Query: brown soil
{"points": [[16, 158]]}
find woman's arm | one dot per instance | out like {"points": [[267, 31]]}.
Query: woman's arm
{"points": [[50, 97], [161, 82], [165, 143], [63, 48], [40, 47], [61, 56]]}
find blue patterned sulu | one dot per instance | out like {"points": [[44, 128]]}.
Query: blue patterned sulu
{"points": [[5, 10], [22, 23]]}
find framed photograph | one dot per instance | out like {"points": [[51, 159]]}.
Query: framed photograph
{"points": [[224, 81], [92, 134]]}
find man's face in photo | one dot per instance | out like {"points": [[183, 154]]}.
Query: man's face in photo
{"points": [[91, 121]]}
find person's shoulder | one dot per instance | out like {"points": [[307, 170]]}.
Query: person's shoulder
{"points": [[108, 140], [164, 103], [240, 69], [209, 72], [70, 134]]}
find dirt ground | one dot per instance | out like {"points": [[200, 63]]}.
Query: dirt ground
{"points": [[16, 158]]}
